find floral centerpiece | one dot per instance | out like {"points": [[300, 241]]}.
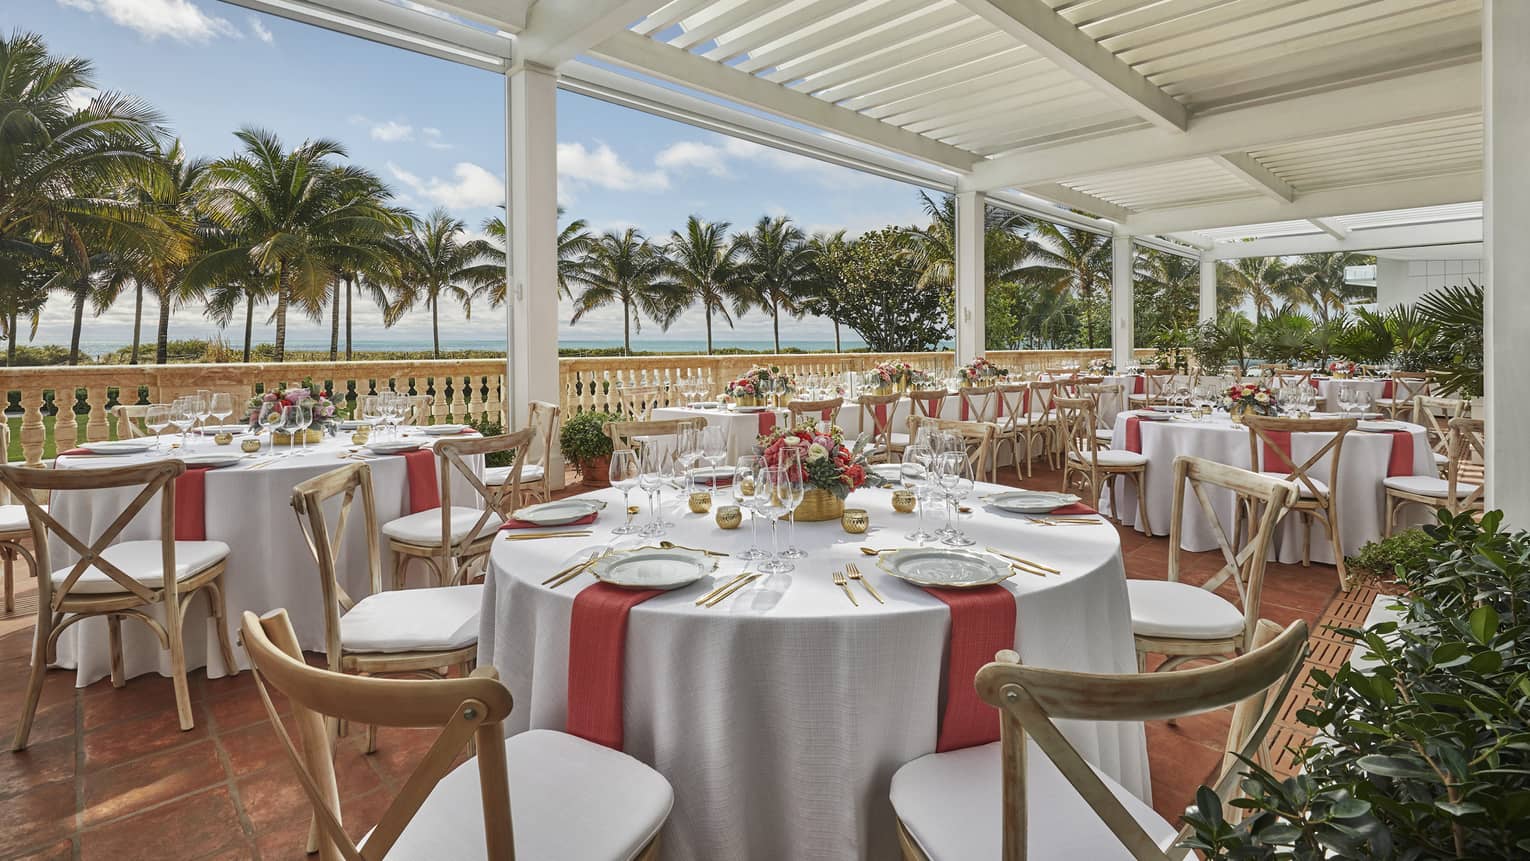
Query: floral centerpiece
{"points": [[830, 469], [1247, 398], [1341, 368], [1101, 367], [753, 388], [888, 377], [323, 411], [980, 371]]}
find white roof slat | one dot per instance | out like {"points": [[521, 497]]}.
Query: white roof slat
{"points": [[817, 38], [1030, 138], [1373, 141], [944, 107], [1317, 163], [1370, 174], [727, 15], [668, 15], [1423, 215], [1155, 23], [1061, 117], [882, 44], [793, 18], [993, 52]]}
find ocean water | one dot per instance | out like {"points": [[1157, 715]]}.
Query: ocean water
{"points": [[97, 348]]}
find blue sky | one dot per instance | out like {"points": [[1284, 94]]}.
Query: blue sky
{"points": [[434, 130]]}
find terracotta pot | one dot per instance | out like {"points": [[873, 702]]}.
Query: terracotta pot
{"points": [[596, 471], [819, 505]]}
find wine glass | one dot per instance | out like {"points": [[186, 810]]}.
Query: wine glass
{"points": [[915, 473], [222, 406], [203, 405], [771, 493], [270, 419], [182, 414], [651, 479], [714, 447], [304, 420], [1364, 398], [156, 418], [956, 479], [624, 477], [1346, 397], [944, 470], [291, 426], [744, 495], [687, 452], [792, 494]]}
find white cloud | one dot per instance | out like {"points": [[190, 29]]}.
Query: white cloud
{"points": [[696, 155], [79, 98], [182, 20], [261, 32], [433, 139], [471, 186], [392, 131], [580, 167], [718, 159]]}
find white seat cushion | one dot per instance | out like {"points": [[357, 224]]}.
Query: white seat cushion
{"points": [[1426, 485], [1161, 608], [898, 440], [1114, 457], [410, 620], [142, 560], [13, 518], [1301, 483], [495, 476], [569, 798], [952, 805], [424, 527]]}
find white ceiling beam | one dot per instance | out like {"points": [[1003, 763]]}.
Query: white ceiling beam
{"points": [[648, 57], [395, 26], [1330, 227], [1454, 91], [1379, 197], [1246, 168], [1074, 199], [507, 15], [1051, 35], [1374, 239], [560, 30]]}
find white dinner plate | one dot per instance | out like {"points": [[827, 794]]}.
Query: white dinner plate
{"points": [[1030, 501], [1171, 409], [711, 473], [944, 567], [558, 512], [750, 409], [654, 568], [443, 430], [704, 405], [118, 446], [1152, 416], [1378, 426], [393, 446], [217, 429], [888, 471], [354, 424], [212, 460]]}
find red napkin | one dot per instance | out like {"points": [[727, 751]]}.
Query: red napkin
{"points": [[1387, 389], [597, 641], [74, 451], [1316, 383], [1075, 508], [586, 520], [1401, 460], [420, 469], [190, 501], [982, 623], [1280, 440], [1134, 434], [880, 412], [767, 422], [1140, 386]]}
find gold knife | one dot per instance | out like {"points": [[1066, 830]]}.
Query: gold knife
{"points": [[734, 588], [712, 594]]}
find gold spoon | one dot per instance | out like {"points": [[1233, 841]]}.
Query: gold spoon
{"points": [[670, 545]]}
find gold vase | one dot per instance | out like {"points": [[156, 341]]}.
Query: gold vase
{"points": [[746, 401], [311, 435], [819, 505]]}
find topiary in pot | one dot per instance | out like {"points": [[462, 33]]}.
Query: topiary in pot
{"points": [[585, 444]]}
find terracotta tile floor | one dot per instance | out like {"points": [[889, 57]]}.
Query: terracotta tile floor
{"points": [[109, 776]]}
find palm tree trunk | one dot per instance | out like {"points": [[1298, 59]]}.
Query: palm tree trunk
{"points": [[435, 329], [249, 322], [349, 287], [137, 320], [334, 321], [836, 338], [10, 345], [79, 325], [280, 352], [162, 331], [775, 317], [709, 330], [626, 329]]}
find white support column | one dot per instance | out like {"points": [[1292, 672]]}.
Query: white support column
{"points": [[1208, 287], [970, 289], [1122, 326], [1506, 211], [531, 155]]}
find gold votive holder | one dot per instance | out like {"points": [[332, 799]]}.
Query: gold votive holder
{"points": [[855, 520], [250, 444], [701, 502], [223, 438], [903, 501], [360, 436], [729, 517]]}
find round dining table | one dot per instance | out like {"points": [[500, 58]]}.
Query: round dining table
{"points": [[1328, 389], [780, 714], [248, 507], [1365, 460], [741, 428]]}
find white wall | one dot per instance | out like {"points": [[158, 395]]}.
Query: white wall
{"points": [[1402, 282]]}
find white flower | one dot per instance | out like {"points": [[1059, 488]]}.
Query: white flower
{"points": [[816, 452], [1262, 398]]}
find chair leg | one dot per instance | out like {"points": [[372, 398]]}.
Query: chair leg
{"points": [[1306, 540], [176, 628], [1332, 520], [220, 618], [371, 738], [1140, 479], [114, 643], [10, 583], [34, 682], [400, 563], [1386, 529]]}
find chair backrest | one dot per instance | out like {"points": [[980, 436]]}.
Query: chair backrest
{"points": [[1014, 401], [1266, 500], [1407, 385], [465, 709], [542, 419], [308, 500], [1060, 373], [1434, 414], [815, 410], [1290, 377], [156, 477], [1030, 699], [1097, 393], [1272, 435], [879, 422], [1468, 456], [623, 434], [927, 402], [1076, 424], [1043, 399], [498, 499], [977, 437], [1155, 384], [980, 403], [130, 420], [638, 401]]}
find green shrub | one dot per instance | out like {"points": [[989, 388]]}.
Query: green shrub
{"points": [[1380, 559], [1426, 754], [490, 427], [583, 437]]}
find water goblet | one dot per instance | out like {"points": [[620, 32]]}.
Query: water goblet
{"points": [[651, 479], [182, 415], [958, 483], [915, 473], [221, 407], [793, 494], [624, 473], [304, 421], [772, 493], [714, 447], [744, 496], [156, 418], [203, 405], [270, 419]]}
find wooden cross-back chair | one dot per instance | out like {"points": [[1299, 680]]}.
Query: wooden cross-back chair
{"points": [[638, 401], [1184, 622], [445, 810], [1464, 487], [118, 579], [978, 403], [977, 440], [927, 402], [1294, 377], [130, 420], [15, 532], [1155, 387], [1020, 425], [815, 410], [413, 631], [943, 801], [1098, 393], [880, 443], [536, 474], [1056, 374], [1316, 500], [1091, 465], [1406, 387], [1434, 414], [450, 539], [634, 435]]}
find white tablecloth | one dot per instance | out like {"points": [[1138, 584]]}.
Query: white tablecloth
{"points": [[1361, 498], [269, 564], [781, 715], [1328, 390], [741, 428]]}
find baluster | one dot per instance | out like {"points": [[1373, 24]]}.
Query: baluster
{"points": [[440, 409], [97, 399], [66, 431], [33, 431]]}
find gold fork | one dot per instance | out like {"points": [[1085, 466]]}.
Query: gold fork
{"points": [[855, 574], [841, 582]]}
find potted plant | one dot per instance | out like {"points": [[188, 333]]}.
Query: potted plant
{"points": [[585, 444], [830, 469]]}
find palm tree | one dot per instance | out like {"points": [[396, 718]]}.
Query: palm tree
{"points": [[1265, 282], [1070, 259], [23, 293], [1320, 280], [626, 268], [435, 260], [703, 263], [775, 261], [234, 291], [932, 249], [1166, 295], [822, 288], [574, 243], [295, 215]]}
